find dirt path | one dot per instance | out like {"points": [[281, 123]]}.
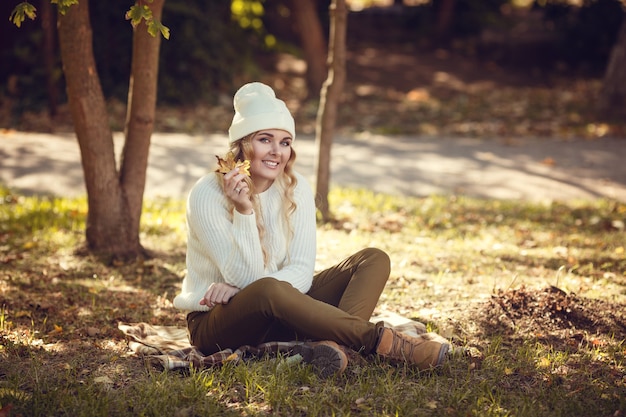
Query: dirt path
{"points": [[416, 166]]}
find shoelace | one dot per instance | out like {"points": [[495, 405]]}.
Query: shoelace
{"points": [[403, 347]]}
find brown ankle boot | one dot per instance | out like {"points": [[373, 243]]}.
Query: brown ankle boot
{"points": [[326, 357], [399, 347]]}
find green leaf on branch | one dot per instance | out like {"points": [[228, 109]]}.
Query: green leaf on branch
{"points": [[21, 12], [64, 5], [137, 12], [154, 27]]}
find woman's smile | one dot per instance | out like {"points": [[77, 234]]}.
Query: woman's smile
{"points": [[271, 164]]}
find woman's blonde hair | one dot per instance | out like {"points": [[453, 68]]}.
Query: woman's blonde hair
{"points": [[242, 149]]}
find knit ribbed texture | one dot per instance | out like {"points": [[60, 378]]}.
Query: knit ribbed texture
{"points": [[225, 248]]}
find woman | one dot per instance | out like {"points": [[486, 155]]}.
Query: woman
{"points": [[251, 257]]}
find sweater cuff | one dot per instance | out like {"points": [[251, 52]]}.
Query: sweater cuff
{"points": [[244, 220]]}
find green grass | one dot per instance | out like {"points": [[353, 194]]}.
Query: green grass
{"points": [[62, 354]]}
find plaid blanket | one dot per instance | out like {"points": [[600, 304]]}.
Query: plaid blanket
{"points": [[169, 347]]}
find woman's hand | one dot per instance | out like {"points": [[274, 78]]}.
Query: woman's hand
{"points": [[218, 293], [236, 189]]}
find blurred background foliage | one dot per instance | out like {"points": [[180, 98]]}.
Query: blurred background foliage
{"points": [[215, 45]]}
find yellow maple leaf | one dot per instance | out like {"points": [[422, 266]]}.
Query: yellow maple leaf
{"points": [[225, 165]]}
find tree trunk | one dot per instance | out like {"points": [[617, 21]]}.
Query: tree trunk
{"points": [[612, 100], [313, 43], [445, 16], [329, 102], [109, 227], [48, 42], [142, 97]]}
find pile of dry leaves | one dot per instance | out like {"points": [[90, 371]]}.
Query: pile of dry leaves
{"points": [[552, 316]]}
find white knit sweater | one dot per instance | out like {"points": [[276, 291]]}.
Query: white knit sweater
{"points": [[226, 248]]}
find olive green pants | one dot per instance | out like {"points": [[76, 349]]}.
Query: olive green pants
{"points": [[337, 307]]}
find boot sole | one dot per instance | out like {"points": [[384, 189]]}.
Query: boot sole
{"points": [[443, 354], [327, 360]]}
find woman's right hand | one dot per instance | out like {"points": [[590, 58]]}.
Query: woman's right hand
{"points": [[237, 190], [218, 293]]}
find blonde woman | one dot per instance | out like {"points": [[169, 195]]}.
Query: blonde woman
{"points": [[251, 255]]}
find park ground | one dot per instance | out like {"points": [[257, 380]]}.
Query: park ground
{"points": [[538, 287]]}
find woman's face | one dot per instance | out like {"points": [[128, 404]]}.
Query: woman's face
{"points": [[272, 149]]}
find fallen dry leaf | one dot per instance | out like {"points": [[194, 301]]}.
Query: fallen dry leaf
{"points": [[57, 330]]}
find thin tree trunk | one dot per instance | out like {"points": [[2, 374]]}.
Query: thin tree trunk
{"points": [[142, 97], [445, 16], [612, 100], [329, 102], [48, 42], [107, 230], [313, 44]]}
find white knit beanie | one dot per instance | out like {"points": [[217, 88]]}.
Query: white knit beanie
{"points": [[257, 108]]}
